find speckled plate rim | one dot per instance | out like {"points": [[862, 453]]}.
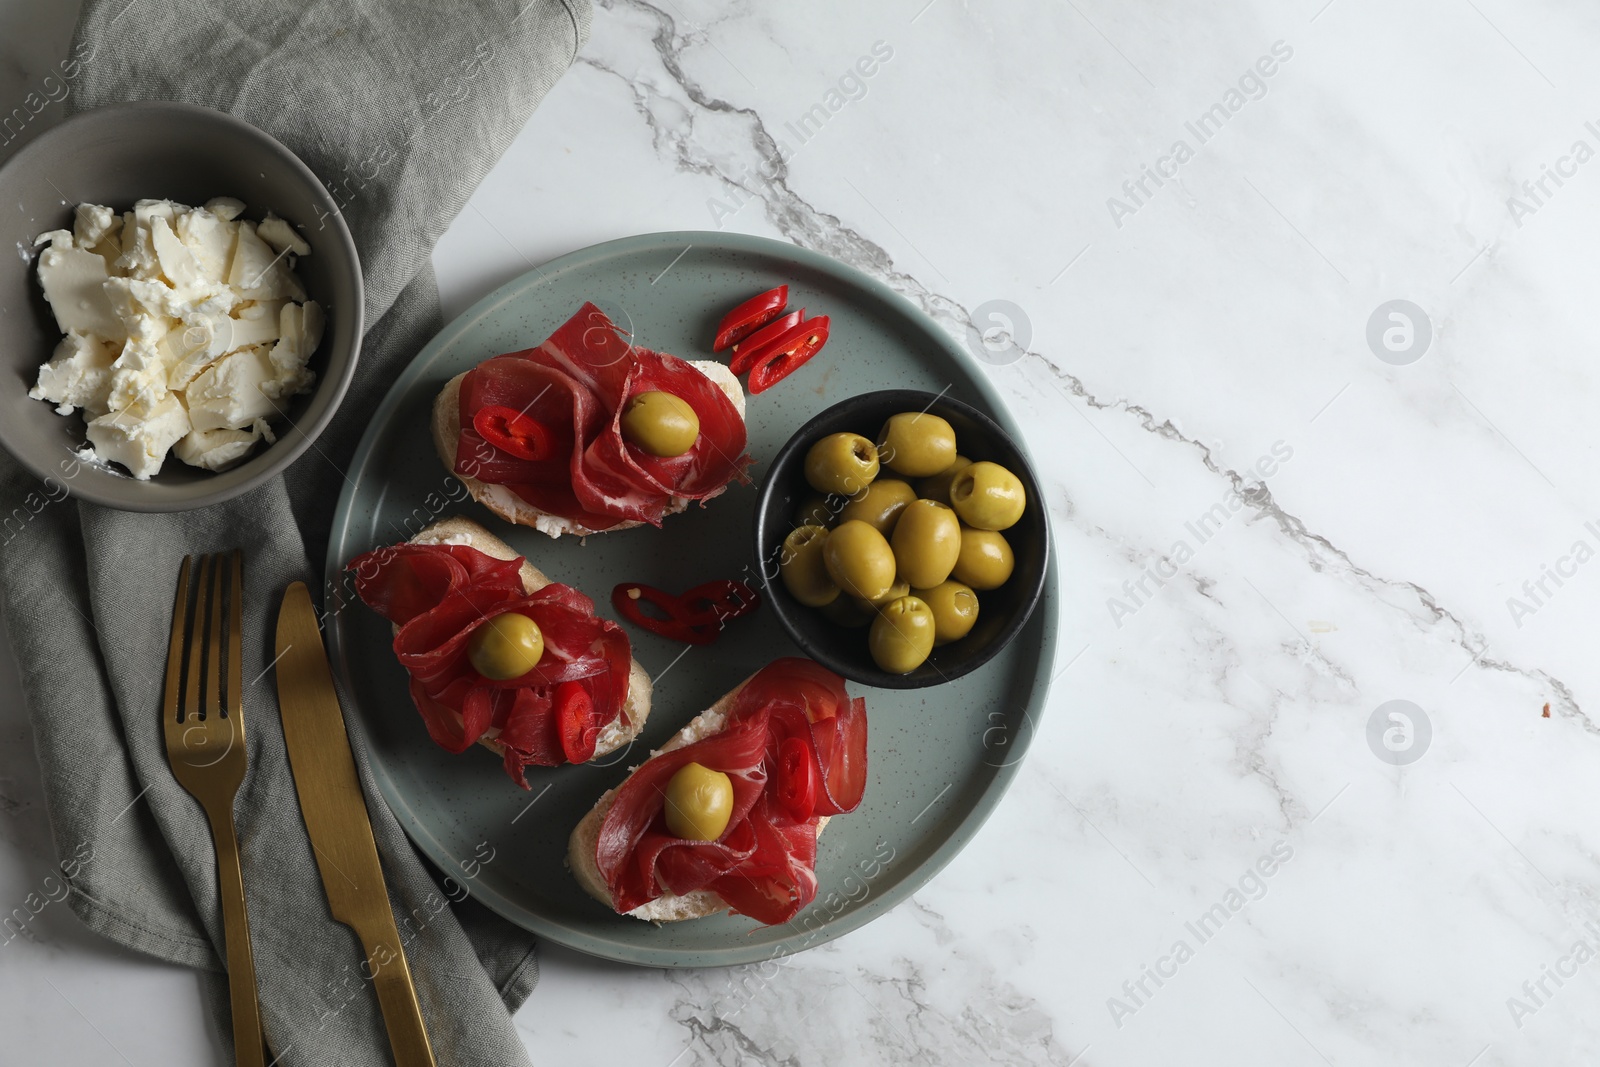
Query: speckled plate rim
{"points": [[1046, 614]]}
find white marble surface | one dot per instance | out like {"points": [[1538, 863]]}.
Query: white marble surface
{"points": [[1212, 719]]}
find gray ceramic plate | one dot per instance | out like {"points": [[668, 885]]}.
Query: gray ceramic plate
{"points": [[940, 757]]}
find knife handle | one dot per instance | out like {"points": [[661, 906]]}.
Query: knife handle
{"points": [[397, 997]]}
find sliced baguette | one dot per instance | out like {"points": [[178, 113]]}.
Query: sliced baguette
{"points": [[508, 505], [621, 730], [668, 907]]}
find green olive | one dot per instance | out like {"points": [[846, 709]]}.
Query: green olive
{"points": [[926, 542], [988, 496], [817, 510], [801, 566], [938, 487], [985, 561], [660, 423], [507, 646], [848, 612], [859, 560], [880, 504], [917, 444], [899, 589], [843, 463], [699, 803], [955, 610], [901, 635]]}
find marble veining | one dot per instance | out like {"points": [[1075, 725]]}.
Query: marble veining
{"points": [[668, 113], [1219, 850], [911, 1010]]}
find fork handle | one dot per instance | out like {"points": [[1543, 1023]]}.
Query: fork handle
{"points": [[247, 1048]]}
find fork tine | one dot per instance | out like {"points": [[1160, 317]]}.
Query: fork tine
{"points": [[214, 690], [180, 608], [196, 644], [233, 704]]}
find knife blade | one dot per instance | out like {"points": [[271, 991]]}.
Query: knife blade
{"points": [[335, 814]]}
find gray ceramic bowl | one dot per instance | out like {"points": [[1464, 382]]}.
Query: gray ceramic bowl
{"points": [[115, 156], [1001, 612]]}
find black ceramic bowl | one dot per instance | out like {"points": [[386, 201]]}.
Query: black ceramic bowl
{"points": [[115, 156], [1001, 612]]}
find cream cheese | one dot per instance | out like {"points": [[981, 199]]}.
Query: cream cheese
{"points": [[186, 330]]}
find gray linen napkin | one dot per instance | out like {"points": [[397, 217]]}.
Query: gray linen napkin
{"points": [[438, 90]]}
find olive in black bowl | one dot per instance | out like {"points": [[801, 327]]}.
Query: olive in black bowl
{"points": [[785, 495]]}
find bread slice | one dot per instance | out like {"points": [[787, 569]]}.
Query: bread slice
{"points": [[621, 730], [508, 505], [669, 907]]}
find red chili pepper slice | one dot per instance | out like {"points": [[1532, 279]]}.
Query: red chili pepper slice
{"points": [[717, 602], [745, 350], [575, 721], [513, 431], [750, 316], [782, 357], [629, 599], [695, 618], [796, 779]]}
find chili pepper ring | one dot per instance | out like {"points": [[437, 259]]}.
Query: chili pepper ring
{"points": [[695, 617]]}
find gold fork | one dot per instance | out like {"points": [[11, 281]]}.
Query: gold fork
{"points": [[203, 716]]}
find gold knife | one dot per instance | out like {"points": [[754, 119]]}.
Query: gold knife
{"points": [[335, 815]]}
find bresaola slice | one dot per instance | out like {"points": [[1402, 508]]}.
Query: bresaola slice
{"points": [[577, 384], [764, 864], [438, 595], [633, 837], [568, 411], [812, 703], [404, 581]]}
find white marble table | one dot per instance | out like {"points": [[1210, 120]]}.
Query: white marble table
{"points": [[1269, 527]]}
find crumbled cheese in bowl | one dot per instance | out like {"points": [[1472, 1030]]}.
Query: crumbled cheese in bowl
{"points": [[186, 330]]}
